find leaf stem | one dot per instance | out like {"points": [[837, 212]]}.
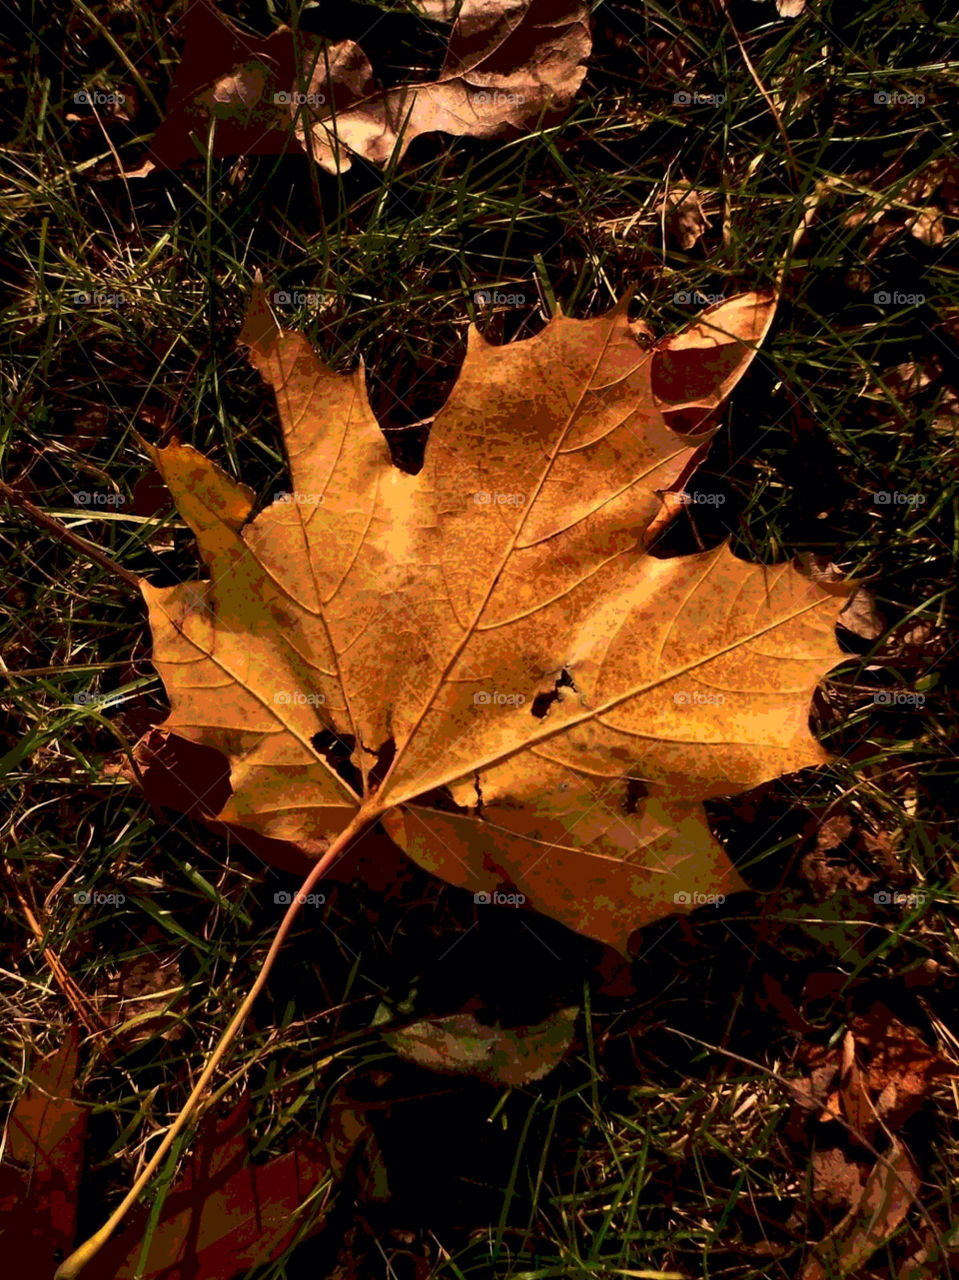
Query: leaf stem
{"points": [[77, 1260]]}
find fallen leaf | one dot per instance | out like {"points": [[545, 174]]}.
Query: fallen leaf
{"points": [[683, 214], [837, 1181], [461, 1045], [832, 866], [900, 1067], [532, 704], [885, 1200], [928, 226], [142, 995], [223, 1214], [507, 63], [856, 1107], [42, 1162]]}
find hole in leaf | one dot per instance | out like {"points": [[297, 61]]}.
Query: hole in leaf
{"points": [[636, 791], [336, 750], [543, 701]]}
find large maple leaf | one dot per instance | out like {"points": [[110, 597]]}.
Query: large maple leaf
{"points": [[533, 703]]}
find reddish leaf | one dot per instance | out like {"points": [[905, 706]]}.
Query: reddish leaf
{"points": [[223, 1215], [42, 1162]]}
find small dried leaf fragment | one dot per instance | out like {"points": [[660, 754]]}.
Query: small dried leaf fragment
{"points": [[461, 1045], [554, 702], [682, 212]]}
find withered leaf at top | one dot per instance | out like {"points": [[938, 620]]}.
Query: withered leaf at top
{"points": [[546, 704], [506, 63]]}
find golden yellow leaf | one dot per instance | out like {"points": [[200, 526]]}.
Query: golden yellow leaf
{"points": [[536, 705]]}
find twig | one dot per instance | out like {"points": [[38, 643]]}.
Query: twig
{"points": [[63, 534], [774, 110]]}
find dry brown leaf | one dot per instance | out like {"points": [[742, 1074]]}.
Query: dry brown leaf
{"points": [[462, 1045], [145, 989], [837, 1181], [900, 1068], [856, 1107], [507, 62], [885, 1200], [683, 215], [532, 702]]}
